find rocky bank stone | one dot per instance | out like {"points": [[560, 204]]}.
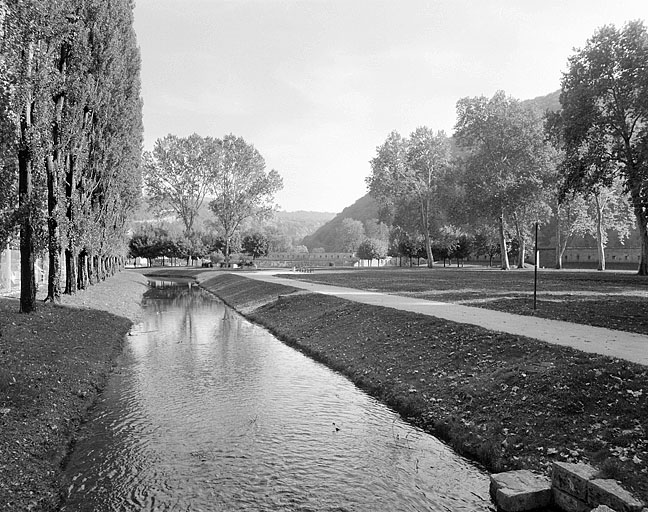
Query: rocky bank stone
{"points": [[520, 491]]}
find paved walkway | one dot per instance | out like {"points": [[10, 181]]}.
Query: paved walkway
{"points": [[619, 344]]}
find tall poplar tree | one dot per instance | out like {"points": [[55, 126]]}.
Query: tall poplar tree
{"points": [[70, 99]]}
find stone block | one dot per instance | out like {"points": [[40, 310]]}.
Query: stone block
{"points": [[520, 491], [568, 503], [610, 493], [572, 478]]}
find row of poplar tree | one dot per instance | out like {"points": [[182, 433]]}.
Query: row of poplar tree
{"points": [[70, 136], [509, 167]]}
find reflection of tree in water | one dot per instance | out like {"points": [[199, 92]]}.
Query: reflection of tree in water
{"points": [[231, 324], [179, 294], [182, 298]]}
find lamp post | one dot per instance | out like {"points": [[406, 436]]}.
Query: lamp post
{"points": [[535, 267]]}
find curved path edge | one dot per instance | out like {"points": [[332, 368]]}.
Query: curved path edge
{"points": [[598, 340]]}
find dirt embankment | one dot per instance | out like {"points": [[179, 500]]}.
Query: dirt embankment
{"points": [[505, 401]]}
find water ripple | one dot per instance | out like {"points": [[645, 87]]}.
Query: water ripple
{"points": [[209, 412]]}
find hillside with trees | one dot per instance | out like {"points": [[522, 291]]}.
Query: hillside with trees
{"points": [[328, 236]]}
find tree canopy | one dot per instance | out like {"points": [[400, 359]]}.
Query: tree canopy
{"points": [[243, 188], [179, 173], [410, 173], [506, 162], [605, 117], [70, 135]]}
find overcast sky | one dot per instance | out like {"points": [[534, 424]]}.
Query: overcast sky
{"points": [[317, 85]]}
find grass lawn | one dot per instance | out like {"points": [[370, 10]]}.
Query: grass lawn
{"points": [[616, 300]]}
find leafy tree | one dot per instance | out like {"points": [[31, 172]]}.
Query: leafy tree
{"points": [[213, 243], [243, 188], [372, 249], [463, 248], [607, 210], [506, 161], [412, 171], [74, 108], [8, 170], [256, 245], [376, 229], [179, 173], [24, 88], [605, 117], [486, 242], [446, 242], [350, 233], [146, 243], [407, 245]]}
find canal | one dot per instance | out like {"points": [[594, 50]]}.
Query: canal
{"points": [[208, 412]]}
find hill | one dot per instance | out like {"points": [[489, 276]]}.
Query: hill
{"points": [[364, 209], [297, 225], [549, 102]]}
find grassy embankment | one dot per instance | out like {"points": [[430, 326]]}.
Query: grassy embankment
{"points": [[53, 364], [505, 401]]}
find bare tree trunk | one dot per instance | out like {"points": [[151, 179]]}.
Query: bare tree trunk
{"points": [[559, 249], [97, 267], [642, 222], [503, 252], [90, 270], [521, 242], [27, 246], [425, 208], [70, 270], [227, 249], [53, 232], [82, 280], [25, 196], [600, 246], [71, 249]]}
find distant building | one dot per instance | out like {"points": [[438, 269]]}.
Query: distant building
{"points": [[300, 259]]}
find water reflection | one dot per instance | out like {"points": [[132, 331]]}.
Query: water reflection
{"points": [[210, 412]]}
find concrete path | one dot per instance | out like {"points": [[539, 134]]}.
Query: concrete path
{"points": [[608, 342]]}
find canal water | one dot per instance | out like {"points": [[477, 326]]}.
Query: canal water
{"points": [[209, 412]]}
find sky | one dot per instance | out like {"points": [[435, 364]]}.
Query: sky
{"points": [[317, 85]]}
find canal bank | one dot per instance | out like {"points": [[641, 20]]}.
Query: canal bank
{"points": [[208, 411], [505, 401], [588, 409], [54, 363]]}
